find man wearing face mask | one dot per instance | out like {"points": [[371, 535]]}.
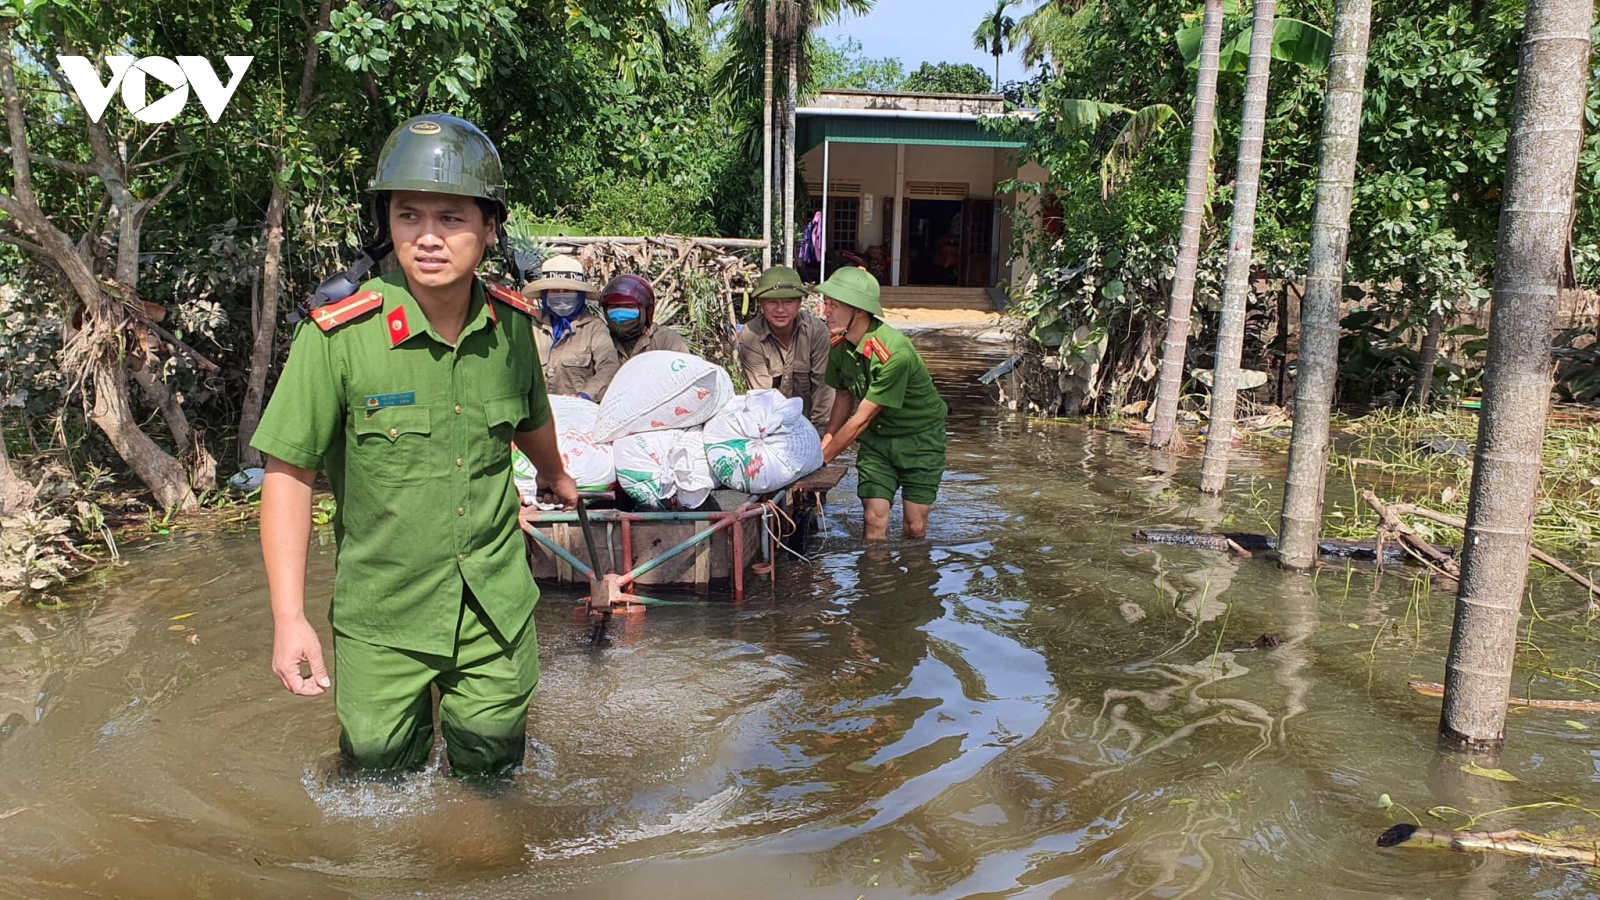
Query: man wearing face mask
{"points": [[629, 304], [579, 358], [885, 403]]}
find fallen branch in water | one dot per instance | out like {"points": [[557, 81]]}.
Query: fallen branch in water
{"points": [[1424, 552], [1251, 544], [1406, 509], [1513, 843], [1436, 690]]}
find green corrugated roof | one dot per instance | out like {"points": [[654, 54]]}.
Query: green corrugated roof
{"points": [[924, 132]]}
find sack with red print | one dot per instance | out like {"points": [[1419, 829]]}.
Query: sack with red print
{"points": [[659, 391], [761, 442]]}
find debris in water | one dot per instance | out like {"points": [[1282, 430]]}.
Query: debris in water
{"points": [[1473, 768]]}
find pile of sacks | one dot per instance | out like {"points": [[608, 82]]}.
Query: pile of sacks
{"points": [[671, 430]]}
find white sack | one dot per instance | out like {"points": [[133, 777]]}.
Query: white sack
{"points": [[761, 442], [657, 466], [662, 390], [588, 461]]}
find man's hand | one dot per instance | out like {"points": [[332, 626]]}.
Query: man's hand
{"points": [[564, 489], [295, 642]]}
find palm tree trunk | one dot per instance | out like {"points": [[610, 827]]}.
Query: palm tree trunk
{"points": [[1196, 189], [1241, 241], [1301, 525], [790, 118], [266, 324], [1427, 355], [997, 73], [1541, 165], [766, 143]]}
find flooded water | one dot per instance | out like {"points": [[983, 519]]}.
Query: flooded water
{"points": [[1027, 704]]}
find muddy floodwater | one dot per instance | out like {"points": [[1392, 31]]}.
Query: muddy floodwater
{"points": [[1027, 704]]}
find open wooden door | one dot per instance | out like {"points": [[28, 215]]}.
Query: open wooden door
{"points": [[977, 242]]}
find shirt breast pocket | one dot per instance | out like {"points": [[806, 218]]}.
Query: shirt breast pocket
{"points": [[393, 446], [501, 415], [584, 360]]}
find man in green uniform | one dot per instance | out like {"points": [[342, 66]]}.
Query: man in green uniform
{"points": [[786, 348], [885, 402], [408, 393]]}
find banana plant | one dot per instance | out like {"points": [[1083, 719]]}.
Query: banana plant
{"points": [[1293, 41], [1142, 126]]}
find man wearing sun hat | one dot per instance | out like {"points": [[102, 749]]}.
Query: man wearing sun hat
{"points": [[575, 345], [786, 348], [885, 404]]}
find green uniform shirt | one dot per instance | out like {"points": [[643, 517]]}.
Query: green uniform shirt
{"points": [[887, 370], [415, 436]]}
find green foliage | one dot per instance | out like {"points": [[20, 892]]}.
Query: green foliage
{"points": [[948, 78], [1439, 89], [1293, 41], [843, 65]]}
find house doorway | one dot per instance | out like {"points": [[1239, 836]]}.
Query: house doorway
{"points": [[933, 251]]}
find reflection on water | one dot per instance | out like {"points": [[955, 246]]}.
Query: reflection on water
{"points": [[1026, 704]]}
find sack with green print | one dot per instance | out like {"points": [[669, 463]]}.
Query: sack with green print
{"points": [[585, 459], [761, 442]]}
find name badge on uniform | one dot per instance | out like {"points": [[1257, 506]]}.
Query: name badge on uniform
{"points": [[376, 402]]}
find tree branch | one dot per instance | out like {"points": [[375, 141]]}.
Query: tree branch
{"points": [[168, 158], [64, 165], [144, 207], [17, 126], [27, 245]]}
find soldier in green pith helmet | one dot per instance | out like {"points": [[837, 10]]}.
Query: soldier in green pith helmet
{"points": [[886, 404], [407, 391]]}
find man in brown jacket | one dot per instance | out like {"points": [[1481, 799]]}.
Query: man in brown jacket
{"points": [[786, 348], [629, 305], [574, 345]]}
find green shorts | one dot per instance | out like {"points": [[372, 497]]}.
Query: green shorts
{"points": [[912, 464], [384, 699]]}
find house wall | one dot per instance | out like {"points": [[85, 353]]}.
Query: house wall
{"points": [[982, 169], [1029, 211], [873, 165]]}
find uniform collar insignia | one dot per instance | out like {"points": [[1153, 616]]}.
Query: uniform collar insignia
{"points": [[399, 329]]}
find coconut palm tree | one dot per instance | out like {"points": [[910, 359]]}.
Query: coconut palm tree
{"points": [[1535, 224], [994, 34], [1319, 310], [1241, 242], [1174, 347], [745, 75]]}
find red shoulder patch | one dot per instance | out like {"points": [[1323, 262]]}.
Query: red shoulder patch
{"points": [[511, 298], [338, 313], [872, 348]]}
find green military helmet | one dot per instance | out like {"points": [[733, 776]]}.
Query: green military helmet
{"points": [[853, 286], [441, 154], [780, 283]]}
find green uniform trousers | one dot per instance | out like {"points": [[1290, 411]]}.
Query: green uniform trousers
{"points": [[384, 699], [912, 464]]}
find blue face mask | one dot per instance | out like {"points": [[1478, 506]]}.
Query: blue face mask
{"points": [[622, 314]]}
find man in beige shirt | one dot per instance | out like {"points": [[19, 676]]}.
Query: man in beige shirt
{"points": [[786, 348], [574, 344]]}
